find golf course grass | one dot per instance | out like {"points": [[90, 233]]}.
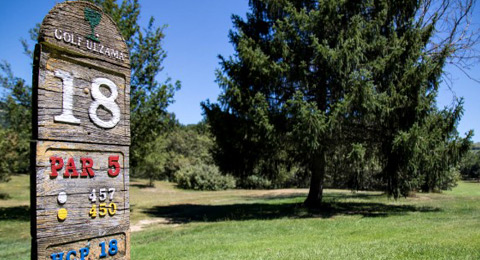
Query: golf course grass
{"points": [[169, 223]]}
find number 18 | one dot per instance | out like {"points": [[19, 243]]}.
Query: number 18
{"points": [[98, 100]]}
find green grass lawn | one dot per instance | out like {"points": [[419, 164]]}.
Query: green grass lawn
{"points": [[245, 224]]}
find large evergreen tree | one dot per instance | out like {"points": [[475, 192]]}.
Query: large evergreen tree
{"points": [[311, 76]]}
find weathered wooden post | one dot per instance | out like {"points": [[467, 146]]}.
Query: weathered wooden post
{"points": [[81, 132]]}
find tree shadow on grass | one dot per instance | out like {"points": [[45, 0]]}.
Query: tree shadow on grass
{"points": [[327, 197], [140, 185], [472, 181], [15, 213], [184, 213], [4, 196]]}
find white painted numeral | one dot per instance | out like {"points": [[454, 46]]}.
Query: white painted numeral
{"points": [[107, 102], [102, 194], [92, 197], [99, 99], [67, 104], [111, 191]]}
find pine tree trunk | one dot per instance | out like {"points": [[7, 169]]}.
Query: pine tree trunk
{"points": [[315, 194], [391, 174]]}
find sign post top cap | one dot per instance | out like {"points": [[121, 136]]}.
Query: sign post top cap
{"points": [[84, 27]]}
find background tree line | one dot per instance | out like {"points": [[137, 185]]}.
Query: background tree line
{"points": [[470, 165], [319, 94]]}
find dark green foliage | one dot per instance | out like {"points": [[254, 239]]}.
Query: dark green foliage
{"points": [[470, 166], [317, 83], [256, 182], [438, 150], [15, 123], [187, 145], [179, 148], [149, 99], [15, 117], [353, 166], [154, 161], [203, 177], [242, 152]]}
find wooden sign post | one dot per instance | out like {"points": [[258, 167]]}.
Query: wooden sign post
{"points": [[81, 131]]}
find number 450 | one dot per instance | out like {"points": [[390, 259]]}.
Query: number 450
{"points": [[102, 207], [98, 100]]}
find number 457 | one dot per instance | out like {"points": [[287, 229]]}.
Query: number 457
{"points": [[102, 194]]}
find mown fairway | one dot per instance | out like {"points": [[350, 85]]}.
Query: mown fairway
{"points": [[243, 224]]}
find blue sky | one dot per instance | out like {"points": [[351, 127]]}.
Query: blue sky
{"points": [[197, 33]]}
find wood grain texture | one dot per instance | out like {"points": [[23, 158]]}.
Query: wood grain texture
{"points": [[50, 98], [64, 45], [79, 227], [85, 65], [70, 18], [48, 186], [64, 244]]}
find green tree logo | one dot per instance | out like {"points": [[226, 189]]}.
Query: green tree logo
{"points": [[93, 17]]}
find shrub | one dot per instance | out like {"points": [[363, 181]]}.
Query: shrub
{"points": [[203, 177], [256, 182], [470, 165]]}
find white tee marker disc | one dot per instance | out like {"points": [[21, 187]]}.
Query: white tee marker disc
{"points": [[62, 197]]}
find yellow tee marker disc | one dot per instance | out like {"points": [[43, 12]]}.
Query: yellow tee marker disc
{"points": [[62, 214]]}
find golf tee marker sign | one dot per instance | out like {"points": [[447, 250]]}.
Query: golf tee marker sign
{"points": [[81, 137]]}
